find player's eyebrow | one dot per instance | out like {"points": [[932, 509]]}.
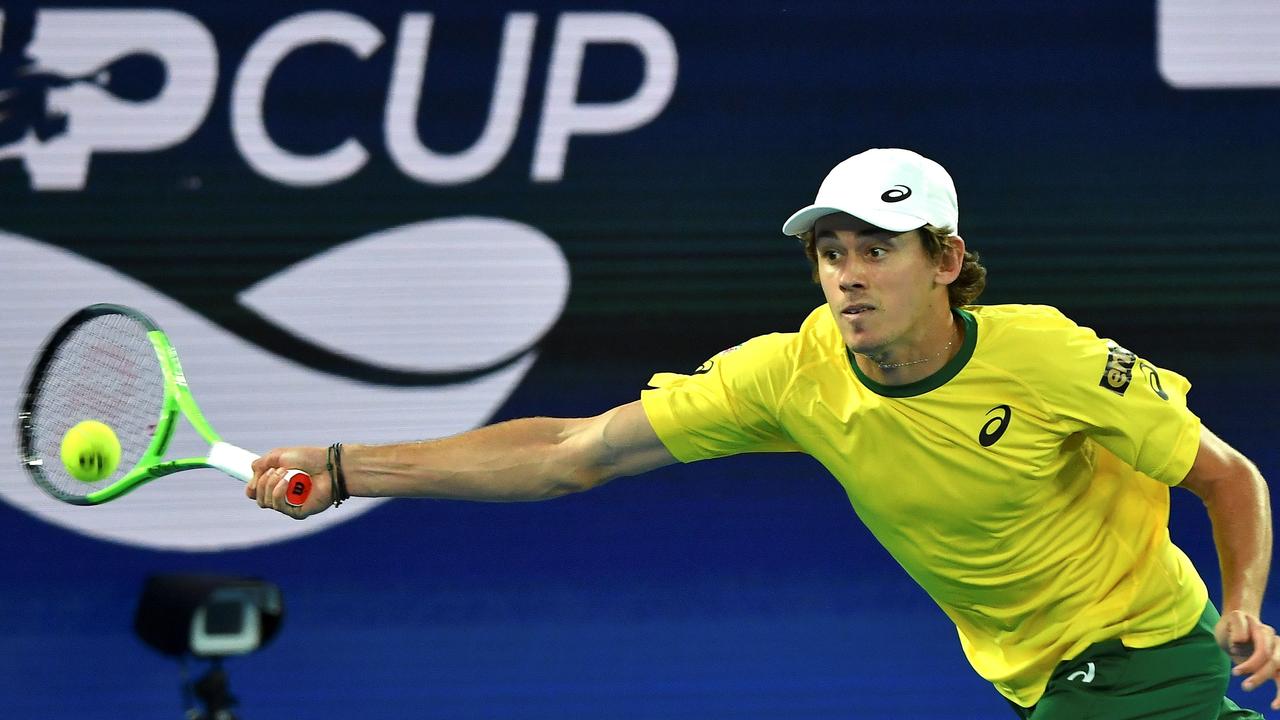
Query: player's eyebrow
{"points": [[826, 237], [875, 235]]}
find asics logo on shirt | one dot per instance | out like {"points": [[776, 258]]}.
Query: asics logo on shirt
{"points": [[705, 367], [993, 429], [893, 194], [1153, 378]]}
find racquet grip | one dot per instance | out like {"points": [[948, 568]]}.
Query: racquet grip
{"points": [[238, 463]]}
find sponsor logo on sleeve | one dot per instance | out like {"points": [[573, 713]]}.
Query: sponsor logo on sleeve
{"points": [[1118, 373]]}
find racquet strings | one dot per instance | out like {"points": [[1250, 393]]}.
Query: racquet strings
{"points": [[106, 370]]}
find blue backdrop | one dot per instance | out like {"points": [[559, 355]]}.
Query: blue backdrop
{"points": [[743, 588]]}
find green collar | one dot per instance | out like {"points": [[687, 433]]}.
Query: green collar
{"points": [[936, 380]]}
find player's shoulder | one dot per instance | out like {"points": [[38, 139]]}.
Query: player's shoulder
{"points": [[819, 332], [1034, 338], [1024, 318], [786, 352]]}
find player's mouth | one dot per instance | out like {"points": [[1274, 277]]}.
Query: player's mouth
{"points": [[856, 310]]}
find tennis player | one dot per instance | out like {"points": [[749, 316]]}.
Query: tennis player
{"points": [[1017, 465]]}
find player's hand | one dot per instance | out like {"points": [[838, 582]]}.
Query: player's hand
{"points": [[268, 485], [1253, 649]]}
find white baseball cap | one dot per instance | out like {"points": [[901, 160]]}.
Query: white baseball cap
{"points": [[890, 188]]}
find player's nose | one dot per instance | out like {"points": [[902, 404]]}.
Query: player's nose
{"points": [[852, 277]]}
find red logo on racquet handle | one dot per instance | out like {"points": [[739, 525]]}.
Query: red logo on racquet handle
{"points": [[299, 487]]}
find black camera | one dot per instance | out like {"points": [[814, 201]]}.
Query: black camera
{"points": [[211, 617]]}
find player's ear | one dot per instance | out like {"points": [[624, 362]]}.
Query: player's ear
{"points": [[951, 259]]}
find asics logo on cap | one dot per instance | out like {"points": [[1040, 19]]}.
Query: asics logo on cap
{"points": [[893, 194]]}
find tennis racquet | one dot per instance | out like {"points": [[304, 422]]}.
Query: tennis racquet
{"points": [[113, 364]]}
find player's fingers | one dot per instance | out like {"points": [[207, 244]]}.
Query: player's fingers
{"points": [[1233, 635], [279, 490], [269, 480], [1267, 672], [1275, 671], [1238, 626], [1259, 664], [260, 466], [266, 488], [280, 494], [266, 462]]}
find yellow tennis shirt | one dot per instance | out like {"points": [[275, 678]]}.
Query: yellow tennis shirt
{"points": [[1024, 485]]}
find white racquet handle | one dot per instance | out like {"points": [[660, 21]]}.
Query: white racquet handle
{"points": [[238, 463], [234, 461]]}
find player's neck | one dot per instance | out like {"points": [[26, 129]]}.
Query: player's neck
{"points": [[922, 359]]}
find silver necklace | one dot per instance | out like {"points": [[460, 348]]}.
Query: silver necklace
{"points": [[890, 366]]}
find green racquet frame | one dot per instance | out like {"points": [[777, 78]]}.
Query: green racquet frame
{"points": [[177, 400]]}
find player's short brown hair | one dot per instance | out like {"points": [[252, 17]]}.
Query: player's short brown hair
{"points": [[964, 290]]}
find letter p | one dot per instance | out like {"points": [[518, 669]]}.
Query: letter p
{"points": [[563, 116], [83, 48]]}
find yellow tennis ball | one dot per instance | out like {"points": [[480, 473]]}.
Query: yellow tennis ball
{"points": [[90, 451]]}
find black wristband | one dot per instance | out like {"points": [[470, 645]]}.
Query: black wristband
{"points": [[333, 475], [335, 472]]}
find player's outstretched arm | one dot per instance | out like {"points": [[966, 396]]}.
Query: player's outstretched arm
{"points": [[517, 460], [1238, 502]]}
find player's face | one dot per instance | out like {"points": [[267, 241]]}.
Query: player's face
{"points": [[888, 296]]}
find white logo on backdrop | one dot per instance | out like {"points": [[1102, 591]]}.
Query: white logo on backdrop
{"points": [[78, 82], [408, 298], [1220, 45], [64, 100]]}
